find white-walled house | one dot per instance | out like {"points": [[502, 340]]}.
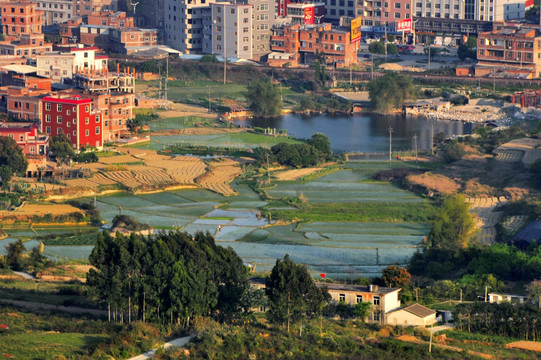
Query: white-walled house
{"points": [[413, 315]]}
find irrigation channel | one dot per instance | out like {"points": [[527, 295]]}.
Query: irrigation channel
{"points": [[338, 249]]}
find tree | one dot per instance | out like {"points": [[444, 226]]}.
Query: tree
{"points": [[362, 310], [390, 91], [377, 47], [12, 155], [134, 124], [264, 98], [290, 290], [5, 175], [534, 291], [209, 59], [61, 148], [468, 49], [452, 224], [394, 276], [453, 151], [392, 49], [15, 253], [323, 145]]}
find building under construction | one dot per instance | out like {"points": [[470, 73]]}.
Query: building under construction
{"points": [[527, 98], [93, 80]]}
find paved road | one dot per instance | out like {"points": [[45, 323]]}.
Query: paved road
{"points": [[40, 306], [180, 342], [25, 275], [436, 329]]}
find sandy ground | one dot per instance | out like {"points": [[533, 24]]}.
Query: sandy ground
{"points": [[294, 174], [526, 345], [181, 110], [41, 209]]}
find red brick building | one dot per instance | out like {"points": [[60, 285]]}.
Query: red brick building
{"points": [[509, 52], [310, 40], [27, 137], [28, 46], [111, 18], [69, 31], [74, 117], [19, 18]]}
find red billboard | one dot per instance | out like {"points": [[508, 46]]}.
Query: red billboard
{"points": [[309, 15], [403, 25]]}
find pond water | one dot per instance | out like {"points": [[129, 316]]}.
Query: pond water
{"points": [[362, 133]]}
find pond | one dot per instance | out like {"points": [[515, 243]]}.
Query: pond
{"points": [[363, 133]]}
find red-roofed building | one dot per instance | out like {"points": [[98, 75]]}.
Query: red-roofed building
{"points": [[27, 137], [74, 117]]}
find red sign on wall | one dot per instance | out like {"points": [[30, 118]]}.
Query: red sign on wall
{"points": [[403, 25], [309, 15]]}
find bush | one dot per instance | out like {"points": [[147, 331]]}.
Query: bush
{"points": [[453, 152]]}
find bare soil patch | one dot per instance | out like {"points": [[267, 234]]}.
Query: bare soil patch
{"points": [[434, 182], [525, 345], [295, 174], [41, 209]]}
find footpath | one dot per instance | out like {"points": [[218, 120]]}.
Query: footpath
{"points": [[180, 342]]}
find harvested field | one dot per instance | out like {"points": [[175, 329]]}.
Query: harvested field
{"points": [[102, 180], [220, 175], [42, 209], [125, 178], [153, 177], [81, 183], [187, 173], [295, 174], [119, 159], [525, 345], [434, 182]]}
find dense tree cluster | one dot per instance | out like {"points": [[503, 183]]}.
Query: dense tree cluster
{"points": [[315, 150], [468, 49], [390, 91], [166, 277], [452, 224], [264, 98], [12, 156], [292, 294], [504, 319]]}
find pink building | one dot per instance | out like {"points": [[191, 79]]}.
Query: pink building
{"points": [[27, 137]]}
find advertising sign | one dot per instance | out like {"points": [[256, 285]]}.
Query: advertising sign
{"points": [[309, 15], [356, 30], [403, 25]]}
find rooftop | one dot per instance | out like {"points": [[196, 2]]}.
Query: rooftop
{"points": [[21, 69], [418, 310], [358, 288]]}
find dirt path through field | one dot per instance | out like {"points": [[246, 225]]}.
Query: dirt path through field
{"points": [[414, 340]]}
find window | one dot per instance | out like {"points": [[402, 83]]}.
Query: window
{"points": [[397, 5], [48, 106], [342, 297], [359, 299], [87, 121], [87, 132], [97, 130], [97, 118], [48, 118], [397, 15], [87, 108], [59, 119], [59, 131], [377, 316], [376, 300], [69, 124], [48, 129]]}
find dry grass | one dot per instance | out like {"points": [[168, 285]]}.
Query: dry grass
{"points": [[220, 175], [295, 174], [41, 209], [434, 182], [525, 345]]}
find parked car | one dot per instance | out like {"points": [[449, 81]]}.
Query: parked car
{"points": [[368, 56]]}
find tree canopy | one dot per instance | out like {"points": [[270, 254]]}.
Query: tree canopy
{"points": [[166, 277], [377, 47], [394, 276], [452, 224], [322, 144], [468, 49], [292, 293], [390, 91], [12, 155], [61, 148], [264, 98]]}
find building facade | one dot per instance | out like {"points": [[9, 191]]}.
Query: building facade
{"points": [[111, 18], [128, 40], [26, 135], [74, 117], [263, 19], [88, 7], [116, 109], [55, 11], [509, 51], [376, 14], [20, 18], [28, 46], [479, 10]]}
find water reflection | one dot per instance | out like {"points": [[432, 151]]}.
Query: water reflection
{"points": [[363, 133]]}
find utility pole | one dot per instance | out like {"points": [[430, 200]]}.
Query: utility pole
{"points": [[430, 345], [415, 141], [493, 81], [428, 55], [372, 68], [225, 49], [385, 42], [390, 143], [268, 168], [432, 138], [166, 77], [209, 97], [486, 291], [350, 75]]}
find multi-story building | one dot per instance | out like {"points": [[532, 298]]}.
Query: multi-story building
{"points": [[102, 81], [153, 13], [183, 24], [376, 14], [230, 28], [336, 9], [306, 13], [128, 41], [74, 117], [111, 18], [24, 104], [509, 51], [23, 76], [55, 11], [69, 31], [480, 10], [88, 7], [263, 19], [28, 46], [20, 18], [116, 109], [27, 137], [311, 42], [63, 64]]}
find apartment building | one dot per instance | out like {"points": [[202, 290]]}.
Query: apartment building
{"points": [[23, 76], [305, 13], [111, 18], [263, 19], [20, 18], [509, 51], [76, 118], [88, 7], [27, 46], [129, 40], [55, 11], [183, 24], [27, 137], [228, 31], [60, 65], [376, 14], [69, 31], [22, 103], [116, 109], [312, 41], [479, 10], [153, 13], [102, 81]]}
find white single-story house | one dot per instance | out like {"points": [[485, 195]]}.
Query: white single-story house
{"points": [[413, 315]]}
